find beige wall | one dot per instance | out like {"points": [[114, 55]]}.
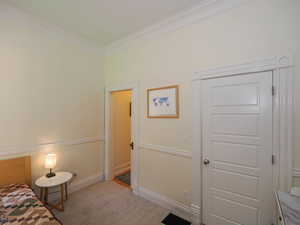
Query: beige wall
{"points": [[257, 29], [166, 174], [121, 129], [52, 85], [84, 160], [51, 90]]}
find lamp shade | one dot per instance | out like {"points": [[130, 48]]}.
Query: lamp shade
{"points": [[50, 161]]}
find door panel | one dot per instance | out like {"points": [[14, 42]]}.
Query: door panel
{"points": [[245, 125], [233, 168], [237, 141], [216, 220], [235, 154], [239, 213], [247, 185], [235, 197], [225, 95]]}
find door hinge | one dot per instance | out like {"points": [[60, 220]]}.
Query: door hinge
{"points": [[273, 159], [273, 91]]}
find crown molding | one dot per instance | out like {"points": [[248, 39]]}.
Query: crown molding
{"points": [[11, 150], [205, 9]]}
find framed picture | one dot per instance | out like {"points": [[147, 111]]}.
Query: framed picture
{"points": [[163, 102]]}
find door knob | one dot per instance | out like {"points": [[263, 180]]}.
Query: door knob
{"points": [[206, 161], [131, 145]]}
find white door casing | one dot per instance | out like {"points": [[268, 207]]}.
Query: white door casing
{"points": [[133, 154], [237, 141], [283, 117], [134, 133]]}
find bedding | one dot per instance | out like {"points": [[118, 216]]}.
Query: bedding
{"points": [[20, 206]]}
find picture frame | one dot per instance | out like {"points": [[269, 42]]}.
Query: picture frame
{"points": [[163, 102]]}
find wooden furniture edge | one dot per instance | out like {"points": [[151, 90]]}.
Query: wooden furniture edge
{"points": [[17, 171]]}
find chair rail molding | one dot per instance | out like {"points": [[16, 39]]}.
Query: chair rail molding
{"points": [[283, 117], [11, 150], [167, 150]]}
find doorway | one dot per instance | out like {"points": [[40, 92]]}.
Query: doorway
{"points": [[225, 121], [237, 149], [121, 136]]}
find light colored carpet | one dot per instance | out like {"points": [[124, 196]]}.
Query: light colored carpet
{"points": [[109, 203]]}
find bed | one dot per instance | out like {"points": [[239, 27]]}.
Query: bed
{"points": [[18, 203]]}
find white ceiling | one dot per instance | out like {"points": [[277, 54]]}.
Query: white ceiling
{"points": [[104, 20]]}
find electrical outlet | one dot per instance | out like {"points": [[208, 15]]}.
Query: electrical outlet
{"points": [[74, 176]]}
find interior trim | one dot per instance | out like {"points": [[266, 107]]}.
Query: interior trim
{"points": [[167, 149], [122, 168], [174, 206], [205, 9], [283, 119], [108, 170], [257, 65], [10, 150], [87, 181], [296, 172], [77, 185], [195, 213]]}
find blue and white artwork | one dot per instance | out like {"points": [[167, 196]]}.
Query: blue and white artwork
{"points": [[162, 102]]}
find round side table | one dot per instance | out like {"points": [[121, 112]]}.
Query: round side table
{"points": [[61, 179]]}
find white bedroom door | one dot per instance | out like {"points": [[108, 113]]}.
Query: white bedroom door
{"points": [[237, 150]]}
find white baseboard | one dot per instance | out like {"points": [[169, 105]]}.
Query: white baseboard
{"points": [[195, 214], [121, 168], [175, 207], [76, 186]]}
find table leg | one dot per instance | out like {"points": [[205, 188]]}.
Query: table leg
{"points": [[62, 188], [66, 190], [42, 194], [46, 195]]}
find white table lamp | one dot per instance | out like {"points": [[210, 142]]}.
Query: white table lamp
{"points": [[50, 163]]}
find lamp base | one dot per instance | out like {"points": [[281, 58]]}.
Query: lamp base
{"points": [[51, 174]]}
